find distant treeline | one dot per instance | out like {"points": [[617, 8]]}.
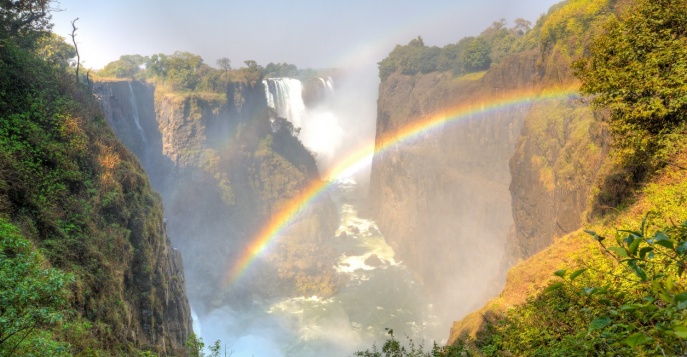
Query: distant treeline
{"points": [[470, 54], [185, 71]]}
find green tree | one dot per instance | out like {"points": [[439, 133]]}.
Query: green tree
{"points": [[181, 70], [25, 19], [195, 346], [127, 66], [33, 298], [54, 49], [476, 56], [638, 70]]}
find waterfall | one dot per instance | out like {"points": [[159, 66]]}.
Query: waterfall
{"points": [[285, 96], [327, 84], [134, 109]]}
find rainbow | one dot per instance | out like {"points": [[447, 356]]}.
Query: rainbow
{"points": [[363, 155]]}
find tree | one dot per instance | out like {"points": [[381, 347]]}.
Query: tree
{"points": [[55, 50], [76, 48], [224, 63], [22, 19], [521, 26], [32, 297], [638, 70], [127, 66], [181, 70], [476, 56]]}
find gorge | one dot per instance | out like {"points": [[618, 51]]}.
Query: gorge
{"points": [[517, 192], [465, 177]]}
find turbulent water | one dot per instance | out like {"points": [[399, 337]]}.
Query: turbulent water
{"points": [[373, 298], [320, 124], [285, 96]]}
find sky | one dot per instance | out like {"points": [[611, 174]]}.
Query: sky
{"points": [[307, 33]]}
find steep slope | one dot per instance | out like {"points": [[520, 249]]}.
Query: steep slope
{"points": [[223, 169], [617, 296], [81, 197]]}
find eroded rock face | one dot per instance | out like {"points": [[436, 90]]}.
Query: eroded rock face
{"points": [[441, 199], [478, 194], [554, 167], [223, 171]]}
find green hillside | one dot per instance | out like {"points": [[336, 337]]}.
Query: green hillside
{"points": [[85, 265], [618, 286]]}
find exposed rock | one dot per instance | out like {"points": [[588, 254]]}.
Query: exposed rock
{"points": [[462, 211], [374, 261], [450, 213], [222, 173]]}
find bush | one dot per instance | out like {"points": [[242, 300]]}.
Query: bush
{"points": [[637, 70], [33, 298]]}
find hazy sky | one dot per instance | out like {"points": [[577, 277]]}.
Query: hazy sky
{"points": [[307, 33]]}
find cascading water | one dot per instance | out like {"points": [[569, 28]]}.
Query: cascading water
{"points": [[327, 85], [285, 96], [320, 124], [376, 292], [134, 109]]}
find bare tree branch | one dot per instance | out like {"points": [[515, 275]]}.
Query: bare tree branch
{"points": [[76, 47]]}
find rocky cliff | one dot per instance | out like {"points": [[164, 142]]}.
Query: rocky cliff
{"points": [[495, 186], [223, 168], [83, 199], [442, 201]]}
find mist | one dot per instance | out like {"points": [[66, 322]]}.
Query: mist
{"points": [[377, 289], [344, 121]]}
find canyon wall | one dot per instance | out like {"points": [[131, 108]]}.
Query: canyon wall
{"points": [[223, 169], [491, 188], [441, 199]]}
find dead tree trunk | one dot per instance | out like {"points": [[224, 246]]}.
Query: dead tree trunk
{"points": [[78, 57]]}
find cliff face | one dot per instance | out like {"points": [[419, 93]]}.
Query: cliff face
{"points": [[223, 169], [442, 200], [557, 158], [81, 197], [489, 189]]}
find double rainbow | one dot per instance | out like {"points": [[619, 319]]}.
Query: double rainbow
{"points": [[363, 155]]}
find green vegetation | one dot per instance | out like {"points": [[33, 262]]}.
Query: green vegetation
{"points": [[394, 348], [637, 70], [24, 21], [626, 292], [184, 72], [195, 347], [626, 298], [471, 54], [80, 229], [33, 298]]}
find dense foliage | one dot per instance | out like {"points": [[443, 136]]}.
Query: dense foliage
{"points": [[76, 211], [637, 70], [471, 54], [24, 20], [188, 72], [33, 298], [627, 295]]}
